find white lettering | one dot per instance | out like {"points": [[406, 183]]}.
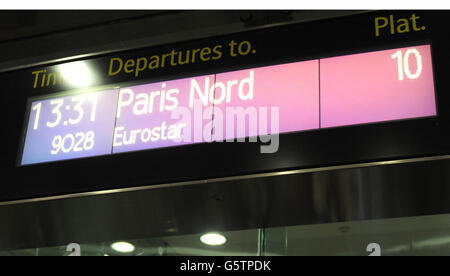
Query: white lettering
{"points": [[137, 136], [123, 103], [195, 87]]}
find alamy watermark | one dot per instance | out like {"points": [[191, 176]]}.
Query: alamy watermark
{"points": [[229, 124]]}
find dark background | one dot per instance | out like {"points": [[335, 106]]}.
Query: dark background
{"points": [[277, 44]]}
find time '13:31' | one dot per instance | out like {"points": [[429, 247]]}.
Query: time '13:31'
{"points": [[57, 106], [70, 142]]}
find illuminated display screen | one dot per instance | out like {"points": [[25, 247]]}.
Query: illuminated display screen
{"points": [[339, 91]]}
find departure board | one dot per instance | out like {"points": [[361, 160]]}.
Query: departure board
{"points": [[361, 88]]}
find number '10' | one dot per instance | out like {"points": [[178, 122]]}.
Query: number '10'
{"points": [[403, 64]]}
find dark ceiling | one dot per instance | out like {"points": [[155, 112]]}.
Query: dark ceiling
{"points": [[31, 37], [28, 23]]}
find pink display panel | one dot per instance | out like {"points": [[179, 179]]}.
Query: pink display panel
{"points": [[377, 86], [339, 91], [162, 114], [273, 99]]}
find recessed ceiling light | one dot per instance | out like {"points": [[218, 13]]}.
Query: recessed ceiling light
{"points": [[123, 247], [213, 239]]}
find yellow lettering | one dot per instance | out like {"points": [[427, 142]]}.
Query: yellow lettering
{"points": [[128, 64], [140, 68], [379, 26], [204, 54], [110, 72], [164, 56], [154, 63], [194, 52], [398, 26], [248, 46], [414, 23], [36, 77], [391, 21], [403, 26], [50, 77], [43, 79], [217, 52]]}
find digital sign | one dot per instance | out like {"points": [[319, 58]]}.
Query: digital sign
{"points": [[378, 86], [70, 127], [338, 91]]}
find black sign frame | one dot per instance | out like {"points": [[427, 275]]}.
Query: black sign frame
{"points": [[308, 149]]}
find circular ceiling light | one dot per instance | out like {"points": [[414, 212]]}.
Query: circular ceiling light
{"points": [[123, 247], [213, 239]]}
